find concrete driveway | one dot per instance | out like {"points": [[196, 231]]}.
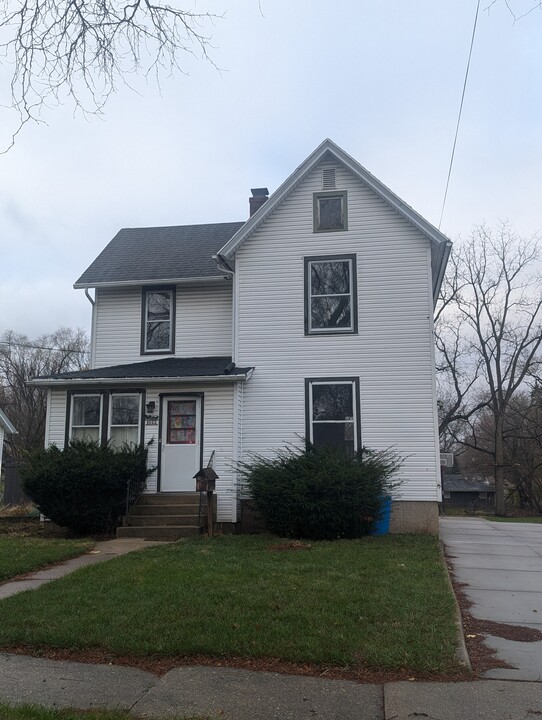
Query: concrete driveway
{"points": [[501, 566]]}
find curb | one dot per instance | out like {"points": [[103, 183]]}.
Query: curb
{"points": [[461, 650]]}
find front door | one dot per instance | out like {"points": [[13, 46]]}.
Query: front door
{"points": [[180, 443]]}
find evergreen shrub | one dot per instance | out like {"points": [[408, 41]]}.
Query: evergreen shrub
{"points": [[320, 493], [84, 486]]}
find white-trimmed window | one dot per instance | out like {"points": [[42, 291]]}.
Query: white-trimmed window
{"points": [[158, 322], [330, 295], [124, 419], [86, 417], [332, 416]]}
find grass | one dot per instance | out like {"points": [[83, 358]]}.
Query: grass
{"points": [[34, 712], [379, 603], [20, 555], [515, 519]]}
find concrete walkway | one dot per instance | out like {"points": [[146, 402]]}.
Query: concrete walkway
{"points": [[103, 550], [501, 566], [232, 694]]}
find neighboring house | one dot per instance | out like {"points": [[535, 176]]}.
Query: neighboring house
{"points": [[6, 427], [462, 492], [314, 318]]}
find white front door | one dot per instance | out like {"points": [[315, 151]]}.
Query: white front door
{"points": [[181, 443]]}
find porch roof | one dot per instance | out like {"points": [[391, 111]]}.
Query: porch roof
{"points": [[204, 369]]}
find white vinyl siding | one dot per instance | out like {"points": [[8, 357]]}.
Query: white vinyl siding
{"points": [[218, 424], [56, 419], [391, 354], [202, 328]]}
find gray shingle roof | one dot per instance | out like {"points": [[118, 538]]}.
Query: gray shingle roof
{"points": [[159, 253], [164, 368]]}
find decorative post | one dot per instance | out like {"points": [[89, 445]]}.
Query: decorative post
{"points": [[205, 482]]}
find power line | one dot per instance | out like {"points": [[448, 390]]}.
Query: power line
{"points": [[42, 347], [460, 111]]}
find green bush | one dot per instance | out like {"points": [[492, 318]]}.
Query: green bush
{"points": [[320, 493], [84, 486]]}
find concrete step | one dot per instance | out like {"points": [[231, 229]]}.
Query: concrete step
{"points": [[148, 500], [157, 510], [161, 520], [159, 532]]}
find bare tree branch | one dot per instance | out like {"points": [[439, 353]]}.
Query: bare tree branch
{"points": [[81, 49]]}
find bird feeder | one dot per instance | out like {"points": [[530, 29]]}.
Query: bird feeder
{"points": [[205, 482]]}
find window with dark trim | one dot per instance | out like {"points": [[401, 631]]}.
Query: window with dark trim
{"points": [[124, 419], [331, 295], [114, 416], [158, 320], [86, 417], [332, 413], [330, 211]]}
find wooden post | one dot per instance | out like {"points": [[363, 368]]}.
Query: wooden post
{"points": [[210, 513]]}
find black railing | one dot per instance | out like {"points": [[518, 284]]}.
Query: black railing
{"points": [[134, 490]]}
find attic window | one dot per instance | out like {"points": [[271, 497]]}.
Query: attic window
{"points": [[328, 179], [330, 211]]}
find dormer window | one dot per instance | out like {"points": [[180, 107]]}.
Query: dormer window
{"points": [[330, 211], [158, 321]]}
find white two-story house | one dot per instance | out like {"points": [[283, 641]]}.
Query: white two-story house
{"points": [[311, 320]]}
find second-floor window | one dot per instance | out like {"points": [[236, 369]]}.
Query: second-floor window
{"points": [[330, 295], [158, 322]]}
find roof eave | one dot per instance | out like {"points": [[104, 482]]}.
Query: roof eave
{"points": [[161, 281], [57, 382], [6, 423]]}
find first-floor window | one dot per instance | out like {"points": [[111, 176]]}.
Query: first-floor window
{"points": [[333, 413], [86, 420], [124, 419], [118, 413]]}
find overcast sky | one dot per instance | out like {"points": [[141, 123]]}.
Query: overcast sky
{"points": [[382, 78]]}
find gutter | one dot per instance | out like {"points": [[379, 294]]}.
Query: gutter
{"points": [[157, 281], [50, 382]]}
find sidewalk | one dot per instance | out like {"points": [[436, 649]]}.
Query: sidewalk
{"points": [[233, 694], [102, 551]]}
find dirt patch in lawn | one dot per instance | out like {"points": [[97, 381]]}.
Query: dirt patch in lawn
{"points": [[482, 656], [161, 665], [292, 545]]}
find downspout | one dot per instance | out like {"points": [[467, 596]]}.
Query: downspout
{"points": [[92, 301], [223, 265]]}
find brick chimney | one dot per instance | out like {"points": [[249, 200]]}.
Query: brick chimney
{"points": [[259, 197]]}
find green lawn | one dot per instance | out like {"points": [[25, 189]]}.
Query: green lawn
{"points": [[514, 519], [33, 712], [20, 555], [377, 603]]}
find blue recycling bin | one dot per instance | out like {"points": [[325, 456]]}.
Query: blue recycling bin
{"points": [[382, 525]]}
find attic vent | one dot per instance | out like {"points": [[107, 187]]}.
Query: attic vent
{"points": [[328, 179]]}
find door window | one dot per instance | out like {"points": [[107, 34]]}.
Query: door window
{"points": [[181, 422]]}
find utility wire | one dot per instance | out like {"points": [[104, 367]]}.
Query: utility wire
{"points": [[42, 347], [460, 111]]}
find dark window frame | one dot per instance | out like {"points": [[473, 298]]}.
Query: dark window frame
{"points": [[343, 194], [353, 330], [105, 394], [355, 402], [144, 292]]}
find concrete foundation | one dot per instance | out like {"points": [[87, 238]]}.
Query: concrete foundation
{"points": [[419, 517]]}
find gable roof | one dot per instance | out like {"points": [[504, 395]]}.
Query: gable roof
{"points": [[440, 244], [6, 423], [159, 254], [200, 368]]}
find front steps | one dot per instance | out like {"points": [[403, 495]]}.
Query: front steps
{"points": [[166, 516]]}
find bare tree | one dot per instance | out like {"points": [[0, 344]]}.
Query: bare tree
{"points": [[82, 49], [21, 360], [494, 317]]}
